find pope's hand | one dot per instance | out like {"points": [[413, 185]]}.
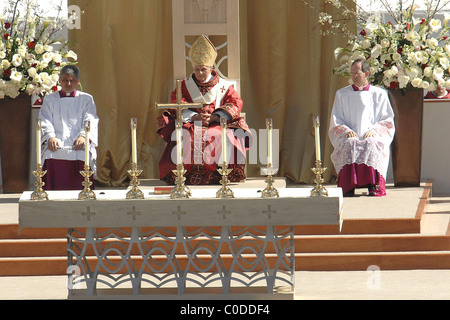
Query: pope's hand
{"points": [[202, 117], [53, 144]]}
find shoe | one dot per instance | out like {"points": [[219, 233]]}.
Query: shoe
{"points": [[373, 192], [350, 193]]}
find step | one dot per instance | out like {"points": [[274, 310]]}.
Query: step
{"points": [[358, 261], [303, 244], [383, 260]]}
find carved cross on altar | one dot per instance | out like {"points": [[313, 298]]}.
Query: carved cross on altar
{"points": [[179, 106]]}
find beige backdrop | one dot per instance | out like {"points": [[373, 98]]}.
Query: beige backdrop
{"points": [[125, 55]]}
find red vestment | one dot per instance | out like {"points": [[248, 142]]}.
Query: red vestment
{"points": [[431, 95], [202, 145]]}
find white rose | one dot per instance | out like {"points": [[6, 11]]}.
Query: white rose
{"points": [[403, 81], [444, 62], [5, 64], [2, 54], [16, 60], [47, 57], [416, 83], [54, 77], [396, 56], [376, 51], [385, 43], [365, 44], [39, 49], [432, 87], [30, 88], [16, 76], [428, 71], [22, 50], [394, 70], [57, 58], [438, 73], [2, 94], [32, 72], [419, 56], [424, 84]]}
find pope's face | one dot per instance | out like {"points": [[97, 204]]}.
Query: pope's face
{"points": [[68, 82], [202, 73], [359, 78]]}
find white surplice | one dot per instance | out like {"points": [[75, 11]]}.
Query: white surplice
{"points": [[63, 119], [361, 111]]}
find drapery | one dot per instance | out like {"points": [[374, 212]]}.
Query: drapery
{"points": [[125, 55]]}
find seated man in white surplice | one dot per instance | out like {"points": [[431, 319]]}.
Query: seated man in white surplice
{"points": [[361, 131], [62, 116]]}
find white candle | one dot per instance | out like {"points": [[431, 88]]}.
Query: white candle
{"points": [[269, 141], [87, 127], [179, 144], [38, 143], [316, 122], [223, 123], [133, 126]]}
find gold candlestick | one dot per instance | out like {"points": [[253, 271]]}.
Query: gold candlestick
{"points": [[180, 191], [319, 189], [134, 193], [224, 192], [39, 193], [86, 193], [270, 191]]}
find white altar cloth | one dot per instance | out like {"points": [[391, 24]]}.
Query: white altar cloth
{"points": [[295, 206]]}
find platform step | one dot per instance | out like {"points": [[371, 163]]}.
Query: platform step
{"points": [[303, 244], [303, 262]]}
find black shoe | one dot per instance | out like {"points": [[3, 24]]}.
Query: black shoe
{"points": [[372, 190], [351, 193]]}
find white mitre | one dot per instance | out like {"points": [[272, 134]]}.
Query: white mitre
{"points": [[203, 52]]}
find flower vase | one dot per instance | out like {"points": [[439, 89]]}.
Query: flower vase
{"points": [[15, 118], [406, 147]]}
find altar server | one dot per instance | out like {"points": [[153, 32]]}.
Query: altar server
{"points": [[219, 99], [63, 115], [361, 131]]}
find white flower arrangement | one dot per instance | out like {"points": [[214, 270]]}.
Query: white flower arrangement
{"points": [[410, 50], [31, 55]]}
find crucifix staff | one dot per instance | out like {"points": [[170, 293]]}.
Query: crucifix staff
{"points": [[179, 106], [179, 191]]}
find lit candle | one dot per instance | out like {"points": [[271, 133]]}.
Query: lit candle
{"points": [[133, 126], [38, 143], [316, 123], [87, 127], [223, 124], [269, 141], [179, 143]]}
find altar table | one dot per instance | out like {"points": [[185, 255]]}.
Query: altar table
{"points": [[181, 248]]}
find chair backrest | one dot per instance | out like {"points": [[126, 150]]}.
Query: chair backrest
{"points": [[219, 20]]}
